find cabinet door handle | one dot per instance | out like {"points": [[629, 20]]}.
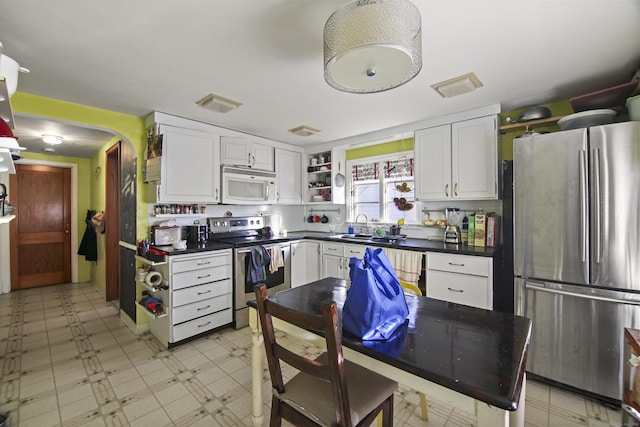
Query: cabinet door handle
{"points": [[205, 324], [216, 194], [332, 249], [204, 277], [455, 290], [204, 263], [456, 264], [446, 190], [455, 189], [205, 292], [203, 308]]}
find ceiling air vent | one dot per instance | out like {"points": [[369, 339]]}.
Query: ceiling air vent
{"points": [[304, 130], [218, 103]]}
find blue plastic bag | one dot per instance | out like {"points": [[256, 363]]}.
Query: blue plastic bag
{"points": [[375, 305]]}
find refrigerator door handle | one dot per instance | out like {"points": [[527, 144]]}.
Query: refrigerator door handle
{"points": [[580, 295], [597, 201], [583, 205]]}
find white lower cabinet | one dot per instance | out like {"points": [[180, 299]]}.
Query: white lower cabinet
{"points": [[462, 279], [336, 256], [199, 296], [305, 262]]}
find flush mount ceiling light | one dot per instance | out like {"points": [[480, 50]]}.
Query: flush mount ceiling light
{"points": [[304, 130], [52, 139], [218, 103], [457, 85], [372, 45]]}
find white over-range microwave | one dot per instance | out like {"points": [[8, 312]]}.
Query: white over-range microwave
{"points": [[244, 186]]}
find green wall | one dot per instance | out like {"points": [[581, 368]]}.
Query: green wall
{"points": [[560, 108], [91, 189], [380, 149]]}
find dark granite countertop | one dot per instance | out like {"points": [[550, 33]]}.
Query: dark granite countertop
{"points": [[478, 353], [411, 244], [194, 248]]}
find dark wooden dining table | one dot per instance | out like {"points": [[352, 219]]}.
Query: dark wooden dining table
{"points": [[471, 358]]}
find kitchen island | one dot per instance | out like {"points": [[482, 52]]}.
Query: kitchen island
{"points": [[472, 358]]}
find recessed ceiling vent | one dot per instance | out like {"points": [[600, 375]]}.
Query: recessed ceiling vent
{"points": [[218, 103], [457, 85], [304, 130]]}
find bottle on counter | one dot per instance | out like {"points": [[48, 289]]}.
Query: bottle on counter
{"points": [[471, 229], [464, 232]]}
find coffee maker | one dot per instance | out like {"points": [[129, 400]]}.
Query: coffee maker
{"points": [[452, 230]]}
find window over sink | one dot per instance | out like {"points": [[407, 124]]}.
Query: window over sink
{"points": [[382, 188]]}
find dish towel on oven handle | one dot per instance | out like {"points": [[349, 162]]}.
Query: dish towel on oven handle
{"points": [[375, 305], [276, 259], [259, 260], [406, 264]]}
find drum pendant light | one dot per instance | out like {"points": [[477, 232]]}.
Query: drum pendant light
{"points": [[372, 45]]}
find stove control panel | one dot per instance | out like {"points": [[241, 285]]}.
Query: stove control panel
{"points": [[217, 225]]}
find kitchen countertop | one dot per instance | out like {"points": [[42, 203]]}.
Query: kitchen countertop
{"points": [[411, 244], [193, 248]]}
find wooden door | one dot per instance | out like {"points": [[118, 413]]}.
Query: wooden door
{"points": [[112, 224], [41, 233]]}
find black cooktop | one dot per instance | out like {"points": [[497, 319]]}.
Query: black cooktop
{"points": [[244, 241]]}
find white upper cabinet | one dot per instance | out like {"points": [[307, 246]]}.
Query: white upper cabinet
{"points": [[432, 149], [457, 161], [288, 176], [190, 167], [241, 151]]}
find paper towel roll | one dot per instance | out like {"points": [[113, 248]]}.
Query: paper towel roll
{"points": [[154, 278]]}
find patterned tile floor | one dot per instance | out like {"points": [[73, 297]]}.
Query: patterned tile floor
{"points": [[68, 360]]}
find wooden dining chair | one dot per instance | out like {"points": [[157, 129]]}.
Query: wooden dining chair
{"points": [[414, 290], [328, 390]]}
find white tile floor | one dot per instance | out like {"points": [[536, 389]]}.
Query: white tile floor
{"points": [[68, 360]]}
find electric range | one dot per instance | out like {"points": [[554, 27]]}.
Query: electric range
{"points": [[250, 238]]}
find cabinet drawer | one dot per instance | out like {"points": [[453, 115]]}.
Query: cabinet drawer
{"points": [[201, 308], [198, 293], [198, 277], [464, 289], [331, 248], [201, 324], [465, 264], [354, 251], [215, 259]]}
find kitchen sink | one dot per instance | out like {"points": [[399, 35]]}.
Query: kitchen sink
{"points": [[357, 236]]}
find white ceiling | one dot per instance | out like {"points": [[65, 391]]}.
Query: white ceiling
{"points": [[140, 56]]}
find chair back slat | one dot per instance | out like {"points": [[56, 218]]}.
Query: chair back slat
{"points": [[301, 363]]}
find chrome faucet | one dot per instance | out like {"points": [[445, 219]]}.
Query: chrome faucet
{"points": [[366, 222]]}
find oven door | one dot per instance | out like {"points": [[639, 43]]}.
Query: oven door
{"points": [[243, 288]]}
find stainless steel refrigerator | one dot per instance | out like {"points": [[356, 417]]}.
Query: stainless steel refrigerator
{"points": [[577, 252]]}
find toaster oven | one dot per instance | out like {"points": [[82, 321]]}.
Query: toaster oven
{"points": [[165, 235]]}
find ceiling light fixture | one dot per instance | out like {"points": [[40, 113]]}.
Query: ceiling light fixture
{"points": [[52, 139], [372, 45], [218, 103], [457, 85], [304, 130]]}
